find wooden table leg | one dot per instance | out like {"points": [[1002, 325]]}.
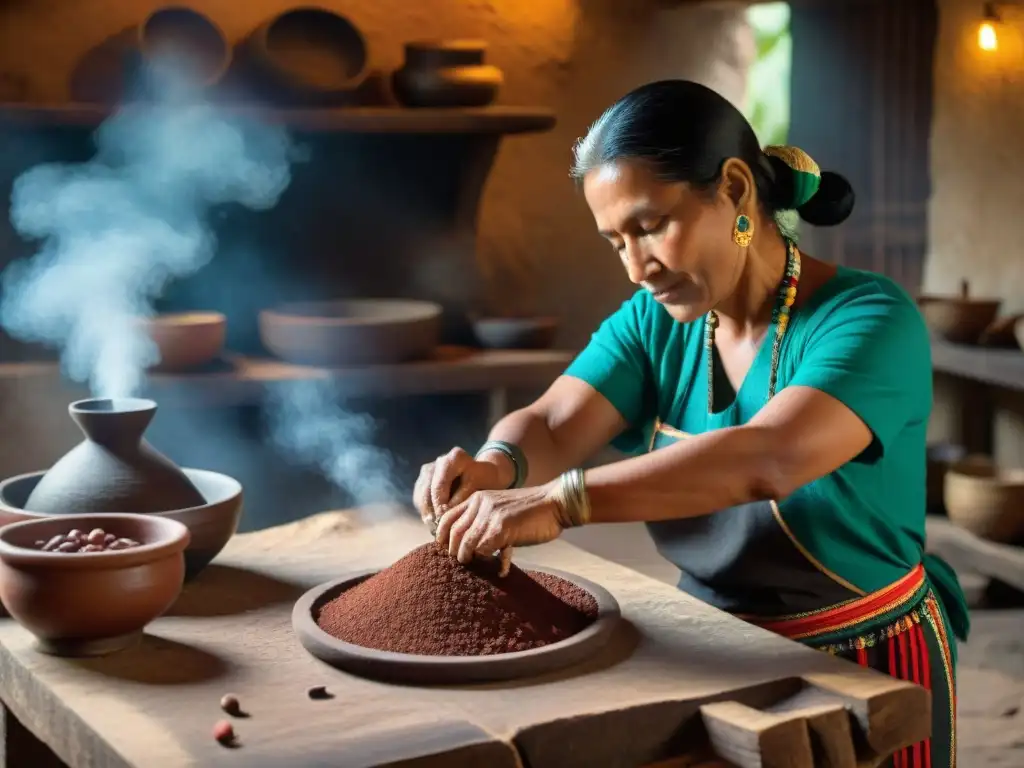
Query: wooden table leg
{"points": [[19, 747], [832, 722]]}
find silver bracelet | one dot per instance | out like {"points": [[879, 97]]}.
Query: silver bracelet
{"points": [[514, 454], [572, 499]]}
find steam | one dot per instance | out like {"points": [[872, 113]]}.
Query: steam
{"points": [[115, 230], [309, 424]]}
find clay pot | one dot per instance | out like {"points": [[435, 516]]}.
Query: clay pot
{"points": [[186, 340], [114, 469], [940, 457], [352, 331], [174, 43], [516, 332], [211, 525], [305, 57], [97, 603], [446, 73], [961, 319], [986, 500]]}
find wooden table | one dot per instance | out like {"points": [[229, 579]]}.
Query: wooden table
{"points": [[677, 677]]}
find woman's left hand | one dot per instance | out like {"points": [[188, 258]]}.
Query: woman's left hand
{"points": [[489, 521]]}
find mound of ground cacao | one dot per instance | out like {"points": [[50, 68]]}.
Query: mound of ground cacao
{"points": [[428, 603]]}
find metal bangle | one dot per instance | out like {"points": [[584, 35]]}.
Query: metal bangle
{"points": [[514, 454], [572, 499]]}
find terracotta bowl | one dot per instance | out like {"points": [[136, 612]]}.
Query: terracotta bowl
{"points": [[956, 319], [352, 331], [187, 340], [210, 526], [91, 604], [940, 457], [175, 31], [516, 332], [986, 500]]}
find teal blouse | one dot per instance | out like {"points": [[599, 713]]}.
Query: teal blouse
{"points": [[860, 339]]}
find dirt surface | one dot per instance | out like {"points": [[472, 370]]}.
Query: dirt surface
{"points": [[991, 696]]}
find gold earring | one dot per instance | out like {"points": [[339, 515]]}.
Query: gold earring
{"points": [[743, 231]]}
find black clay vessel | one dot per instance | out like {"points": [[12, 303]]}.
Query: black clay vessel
{"points": [[114, 469], [446, 73]]}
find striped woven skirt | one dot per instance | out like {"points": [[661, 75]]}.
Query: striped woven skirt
{"points": [[900, 631]]}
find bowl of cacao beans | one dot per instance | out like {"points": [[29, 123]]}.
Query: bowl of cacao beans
{"points": [[87, 585]]}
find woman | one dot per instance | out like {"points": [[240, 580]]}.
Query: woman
{"points": [[775, 405]]}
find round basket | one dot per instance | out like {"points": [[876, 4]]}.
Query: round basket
{"points": [[986, 500]]}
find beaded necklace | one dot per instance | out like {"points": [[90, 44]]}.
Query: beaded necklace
{"points": [[780, 318]]}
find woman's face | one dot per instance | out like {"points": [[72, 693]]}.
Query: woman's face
{"points": [[674, 241]]}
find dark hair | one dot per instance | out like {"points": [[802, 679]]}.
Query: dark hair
{"points": [[686, 132]]}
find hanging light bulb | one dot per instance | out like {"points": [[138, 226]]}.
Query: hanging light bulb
{"points": [[988, 37]]}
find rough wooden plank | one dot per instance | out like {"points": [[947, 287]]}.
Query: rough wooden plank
{"points": [[968, 552], [998, 367], [835, 722], [231, 632], [480, 120], [886, 717], [754, 739], [244, 380], [831, 735], [19, 747]]}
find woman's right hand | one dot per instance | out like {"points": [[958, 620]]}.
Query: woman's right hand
{"points": [[451, 479]]}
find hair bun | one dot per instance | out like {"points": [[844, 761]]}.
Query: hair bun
{"points": [[832, 204]]}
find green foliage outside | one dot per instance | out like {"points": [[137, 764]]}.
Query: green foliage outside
{"points": [[767, 101]]}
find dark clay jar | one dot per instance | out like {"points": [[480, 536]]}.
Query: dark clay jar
{"points": [[114, 469], [446, 73]]}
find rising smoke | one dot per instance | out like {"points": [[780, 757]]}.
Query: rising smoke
{"points": [[115, 231], [309, 423]]}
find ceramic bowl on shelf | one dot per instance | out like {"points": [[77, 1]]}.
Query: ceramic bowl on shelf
{"points": [[189, 49], [985, 499], [960, 319], [185, 38], [210, 526], [90, 603], [186, 340], [351, 331], [305, 57], [515, 332]]}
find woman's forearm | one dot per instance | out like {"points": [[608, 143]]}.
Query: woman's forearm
{"points": [[530, 432], [696, 476]]}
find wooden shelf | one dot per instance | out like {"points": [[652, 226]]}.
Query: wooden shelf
{"points": [[244, 380], [998, 367], [482, 120], [966, 552]]}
